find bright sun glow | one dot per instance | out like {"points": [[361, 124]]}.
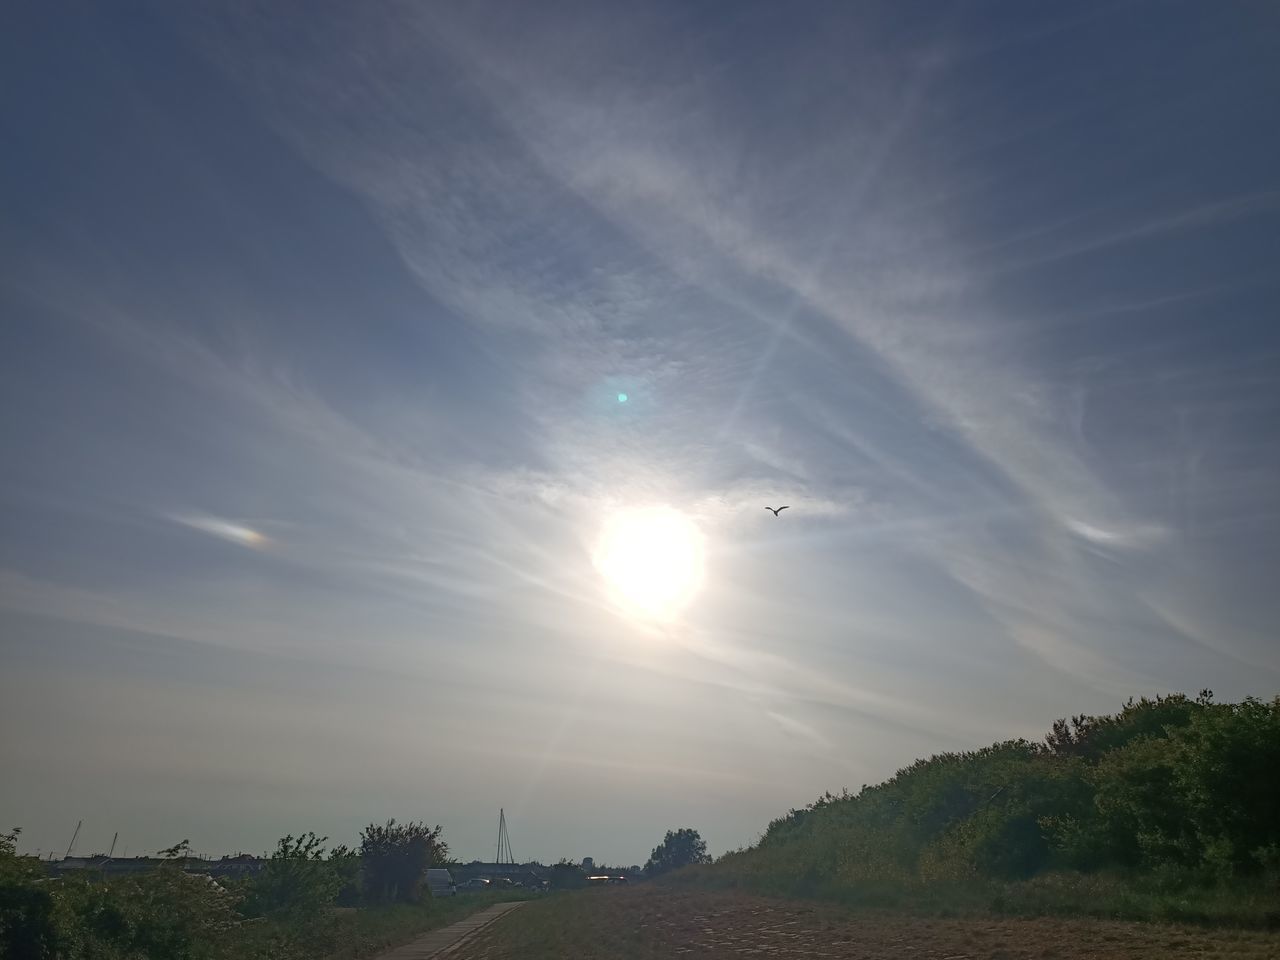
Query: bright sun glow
{"points": [[653, 560]]}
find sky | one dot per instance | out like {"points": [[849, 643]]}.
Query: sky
{"points": [[338, 342]]}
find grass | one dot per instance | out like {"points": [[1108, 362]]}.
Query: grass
{"points": [[354, 933], [365, 932], [1103, 896], [655, 921]]}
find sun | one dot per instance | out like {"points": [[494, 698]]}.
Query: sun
{"points": [[652, 559]]}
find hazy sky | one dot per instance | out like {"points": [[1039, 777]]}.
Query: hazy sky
{"points": [[316, 328]]}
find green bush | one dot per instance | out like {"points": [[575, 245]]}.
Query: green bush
{"points": [[345, 863], [1174, 801], [283, 913], [297, 881], [164, 913], [679, 848], [28, 921], [567, 876], [394, 856]]}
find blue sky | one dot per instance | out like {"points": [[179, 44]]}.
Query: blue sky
{"points": [[315, 323]]}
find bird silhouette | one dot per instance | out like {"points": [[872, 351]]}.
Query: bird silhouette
{"points": [[777, 511]]}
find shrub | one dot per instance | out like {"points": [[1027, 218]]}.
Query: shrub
{"points": [[297, 881], [394, 857], [1170, 798], [28, 926]]}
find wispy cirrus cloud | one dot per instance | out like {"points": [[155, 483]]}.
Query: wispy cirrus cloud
{"points": [[875, 283], [223, 529], [374, 287]]}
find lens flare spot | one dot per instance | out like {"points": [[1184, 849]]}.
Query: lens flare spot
{"points": [[622, 398]]}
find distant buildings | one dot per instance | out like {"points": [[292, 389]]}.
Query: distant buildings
{"points": [[241, 865]]}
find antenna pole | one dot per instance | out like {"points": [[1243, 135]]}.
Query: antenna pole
{"points": [[72, 844], [114, 838], [504, 854]]}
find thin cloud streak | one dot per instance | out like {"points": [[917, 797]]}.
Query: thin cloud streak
{"points": [[331, 373], [654, 196], [223, 529]]}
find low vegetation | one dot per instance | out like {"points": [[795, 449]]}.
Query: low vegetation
{"points": [[657, 922], [308, 903], [1170, 809], [679, 848]]}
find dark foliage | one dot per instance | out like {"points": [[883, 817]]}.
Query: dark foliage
{"points": [[1176, 790], [297, 881], [282, 913], [345, 863], [567, 876], [393, 857], [27, 923], [679, 848]]}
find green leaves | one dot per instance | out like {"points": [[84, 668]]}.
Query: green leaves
{"points": [[394, 857], [296, 882], [680, 848], [282, 913], [1167, 788]]}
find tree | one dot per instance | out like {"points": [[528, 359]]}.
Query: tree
{"points": [[161, 913], [296, 882], [394, 857], [345, 864], [28, 926], [679, 848], [567, 876]]}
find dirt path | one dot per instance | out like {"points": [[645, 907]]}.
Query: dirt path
{"points": [[447, 939], [649, 924]]}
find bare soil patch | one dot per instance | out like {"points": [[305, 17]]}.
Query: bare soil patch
{"points": [[651, 922]]}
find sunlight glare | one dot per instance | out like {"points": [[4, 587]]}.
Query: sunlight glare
{"points": [[652, 559]]}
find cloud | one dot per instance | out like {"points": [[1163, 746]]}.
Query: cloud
{"points": [[222, 529], [1131, 538], [1200, 216], [810, 289], [874, 270], [799, 730]]}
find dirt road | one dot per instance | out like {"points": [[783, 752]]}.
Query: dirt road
{"points": [[448, 939]]}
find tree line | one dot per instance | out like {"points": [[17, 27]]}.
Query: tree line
{"points": [[283, 911], [1178, 791]]}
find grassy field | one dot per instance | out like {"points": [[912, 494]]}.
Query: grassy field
{"points": [[349, 933], [365, 932], [652, 922], [1099, 896]]}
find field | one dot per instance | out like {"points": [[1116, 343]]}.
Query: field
{"points": [[350, 933], [654, 922]]}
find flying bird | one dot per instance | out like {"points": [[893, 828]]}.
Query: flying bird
{"points": [[777, 511]]}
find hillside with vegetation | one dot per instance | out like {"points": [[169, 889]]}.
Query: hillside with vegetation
{"points": [[1168, 809]]}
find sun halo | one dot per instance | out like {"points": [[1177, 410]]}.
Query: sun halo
{"points": [[653, 561]]}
